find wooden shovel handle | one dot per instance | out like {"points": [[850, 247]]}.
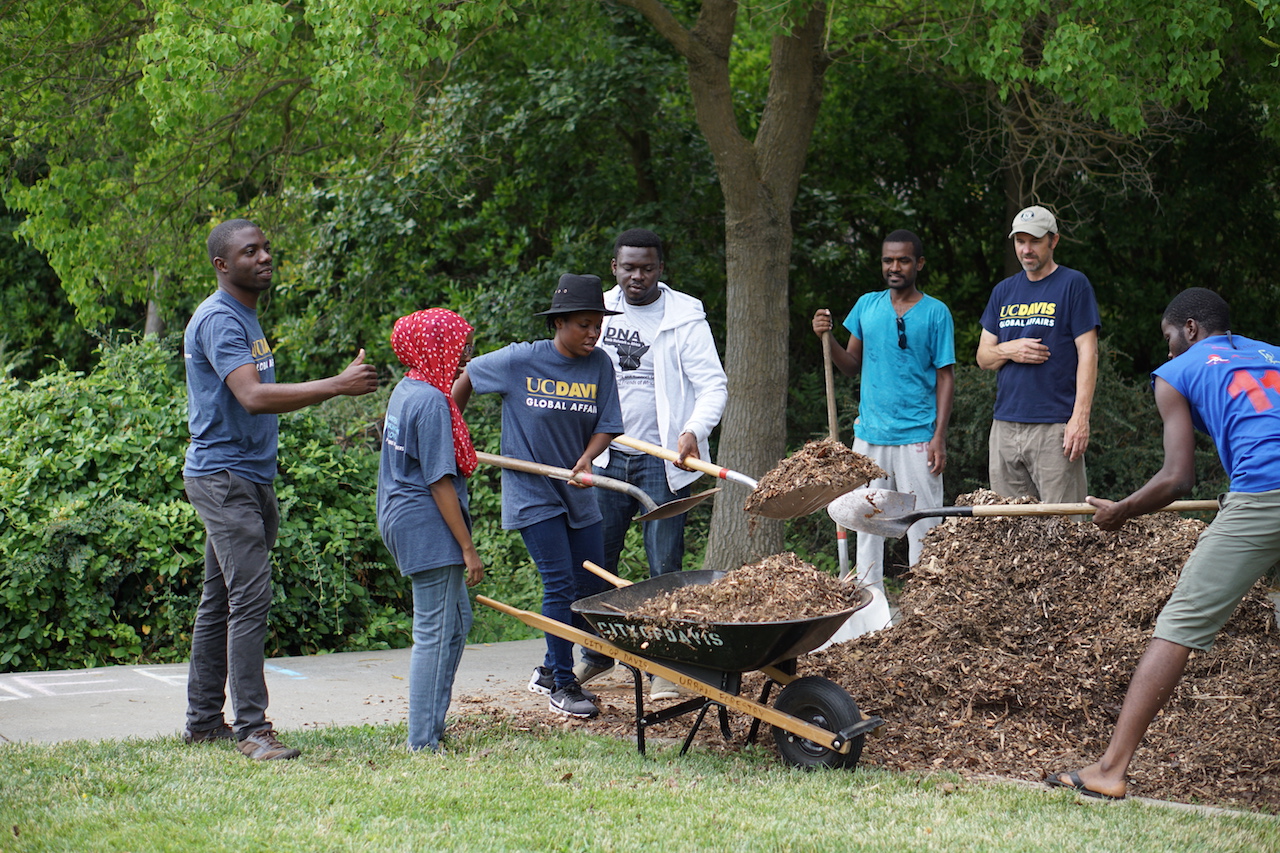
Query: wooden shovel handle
{"points": [[833, 427], [1002, 510], [601, 572], [695, 464]]}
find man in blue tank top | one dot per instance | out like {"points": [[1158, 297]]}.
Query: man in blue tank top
{"points": [[1229, 387]]}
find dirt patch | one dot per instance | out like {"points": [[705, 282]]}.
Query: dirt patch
{"points": [[779, 588], [819, 463]]}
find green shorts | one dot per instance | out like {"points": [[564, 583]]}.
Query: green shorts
{"points": [[1242, 545]]}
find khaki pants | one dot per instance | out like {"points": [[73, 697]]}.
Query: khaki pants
{"points": [[1027, 459], [1242, 545]]}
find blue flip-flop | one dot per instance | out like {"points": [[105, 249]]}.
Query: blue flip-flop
{"points": [[1077, 785]]}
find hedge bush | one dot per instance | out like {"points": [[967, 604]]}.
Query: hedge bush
{"points": [[101, 557]]}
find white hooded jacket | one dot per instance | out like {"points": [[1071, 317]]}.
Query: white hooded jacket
{"points": [[690, 388]]}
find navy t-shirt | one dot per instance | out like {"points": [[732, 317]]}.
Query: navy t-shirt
{"points": [[417, 450], [1057, 309], [224, 334], [551, 406]]}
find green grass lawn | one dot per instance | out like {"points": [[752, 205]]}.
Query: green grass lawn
{"points": [[502, 789]]}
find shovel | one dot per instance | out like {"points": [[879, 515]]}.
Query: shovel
{"points": [[885, 513], [652, 512], [794, 504]]}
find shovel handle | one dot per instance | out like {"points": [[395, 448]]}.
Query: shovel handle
{"points": [[833, 427], [695, 464], [598, 571], [586, 479], [1001, 510]]}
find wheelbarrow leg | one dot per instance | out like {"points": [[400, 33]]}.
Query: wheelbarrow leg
{"points": [[787, 667], [636, 679]]}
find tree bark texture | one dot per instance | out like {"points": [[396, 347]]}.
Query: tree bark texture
{"points": [[759, 181]]}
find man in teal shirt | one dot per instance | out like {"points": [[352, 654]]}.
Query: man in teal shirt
{"points": [[903, 345]]}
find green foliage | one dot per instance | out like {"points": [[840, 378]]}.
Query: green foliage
{"points": [[101, 558]]}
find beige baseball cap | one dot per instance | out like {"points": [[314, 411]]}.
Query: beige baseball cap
{"points": [[1034, 220]]}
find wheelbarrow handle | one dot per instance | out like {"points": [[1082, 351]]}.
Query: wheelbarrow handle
{"points": [[586, 479], [695, 464]]}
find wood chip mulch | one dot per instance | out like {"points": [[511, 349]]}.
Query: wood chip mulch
{"points": [[1016, 643], [1014, 647], [777, 588], [823, 462]]}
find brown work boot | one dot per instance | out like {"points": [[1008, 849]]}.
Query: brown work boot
{"points": [[219, 732], [263, 746]]}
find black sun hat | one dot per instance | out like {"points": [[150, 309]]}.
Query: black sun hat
{"points": [[577, 293]]}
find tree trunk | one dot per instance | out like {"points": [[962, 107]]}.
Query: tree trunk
{"points": [[759, 181], [154, 323]]}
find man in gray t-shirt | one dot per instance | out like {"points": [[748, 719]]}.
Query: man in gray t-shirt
{"points": [[232, 404]]}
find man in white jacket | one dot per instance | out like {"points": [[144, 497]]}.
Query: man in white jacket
{"points": [[673, 391]]}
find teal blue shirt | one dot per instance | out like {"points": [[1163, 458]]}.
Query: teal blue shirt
{"points": [[899, 403]]}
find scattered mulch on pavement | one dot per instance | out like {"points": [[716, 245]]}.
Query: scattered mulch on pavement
{"points": [[1015, 645], [820, 463], [779, 588]]}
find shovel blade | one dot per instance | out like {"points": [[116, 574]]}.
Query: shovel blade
{"points": [[879, 512], [675, 507]]}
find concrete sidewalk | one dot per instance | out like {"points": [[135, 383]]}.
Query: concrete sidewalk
{"points": [[352, 688]]}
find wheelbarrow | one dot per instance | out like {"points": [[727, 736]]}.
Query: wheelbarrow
{"points": [[814, 721], [652, 512]]}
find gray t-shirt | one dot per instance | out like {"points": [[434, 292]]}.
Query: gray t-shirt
{"points": [[629, 341], [417, 450], [551, 406], [224, 334]]}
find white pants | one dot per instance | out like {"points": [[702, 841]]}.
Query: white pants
{"points": [[908, 468]]}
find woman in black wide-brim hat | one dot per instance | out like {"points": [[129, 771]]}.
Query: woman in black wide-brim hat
{"points": [[559, 407]]}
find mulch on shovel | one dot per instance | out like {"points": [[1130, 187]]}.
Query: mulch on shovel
{"points": [[1016, 644], [779, 588], [821, 462]]}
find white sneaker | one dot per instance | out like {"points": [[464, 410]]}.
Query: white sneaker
{"points": [[660, 688]]}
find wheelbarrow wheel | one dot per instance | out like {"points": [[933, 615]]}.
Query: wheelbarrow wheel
{"points": [[823, 703]]}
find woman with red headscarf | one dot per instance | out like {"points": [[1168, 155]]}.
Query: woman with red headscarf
{"points": [[423, 514]]}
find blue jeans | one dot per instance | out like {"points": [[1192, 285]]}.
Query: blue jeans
{"points": [[559, 551], [241, 520], [441, 620], [664, 539]]}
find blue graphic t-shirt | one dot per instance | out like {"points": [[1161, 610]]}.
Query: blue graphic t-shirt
{"points": [[898, 401], [417, 450], [551, 406], [1233, 386], [1057, 309], [224, 334]]}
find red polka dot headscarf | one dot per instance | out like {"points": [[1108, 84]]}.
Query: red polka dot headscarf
{"points": [[430, 344]]}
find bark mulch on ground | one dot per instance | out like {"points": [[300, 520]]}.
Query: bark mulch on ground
{"points": [[1015, 647], [821, 463], [778, 588]]}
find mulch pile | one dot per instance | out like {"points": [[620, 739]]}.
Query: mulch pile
{"points": [[818, 464], [778, 588], [1016, 643]]}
